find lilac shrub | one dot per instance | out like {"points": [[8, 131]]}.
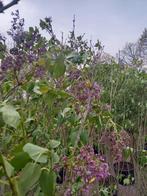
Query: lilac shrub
{"points": [[116, 142], [86, 168], [28, 47], [85, 90]]}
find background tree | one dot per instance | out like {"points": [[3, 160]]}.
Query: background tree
{"points": [[135, 54], [131, 55], [143, 46]]}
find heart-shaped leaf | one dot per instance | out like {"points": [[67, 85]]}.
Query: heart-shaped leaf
{"points": [[54, 143], [28, 177], [59, 67], [20, 160], [37, 153], [9, 169], [47, 182], [10, 116]]}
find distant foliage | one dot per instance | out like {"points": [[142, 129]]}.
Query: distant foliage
{"points": [[135, 54]]}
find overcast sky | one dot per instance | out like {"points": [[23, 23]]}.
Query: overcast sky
{"points": [[114, 22]]}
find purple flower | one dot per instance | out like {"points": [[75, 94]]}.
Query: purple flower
{"points": [[74, 74], [83, 90], [88, 167], [39, 72], [42, 50], [7, 63], [116, 142], [32, 57]]}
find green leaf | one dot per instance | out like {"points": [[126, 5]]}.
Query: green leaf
{"points": [[62, 94], [29, 87], [29, 119], [55, 157], [73, 137], [36, 90], [29, 176], [9, 169], [127, 152], [104, 192], [126, 181], [20, 160], [84, 137], [41, 89], [37, 153], [44, 88], [38, 192], [59, 67], [72, 55], [142, 157], [66, 110], [54, 143], [47, 182], [17, 148], [10, 116], [41, 61], [54, 94], [15, 183]]}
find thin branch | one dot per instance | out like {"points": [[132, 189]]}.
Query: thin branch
{"points": [[2, 7]]}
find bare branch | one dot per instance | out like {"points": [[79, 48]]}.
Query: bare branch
{"points": [[4, 7]]}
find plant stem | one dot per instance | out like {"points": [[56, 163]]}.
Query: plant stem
{"points": [[82, 123]]}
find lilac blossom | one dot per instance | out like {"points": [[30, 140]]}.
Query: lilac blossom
{"points": [[39, 72], [88, 167], [116, 142], [74, 74], [83, 90], [29, 46]]}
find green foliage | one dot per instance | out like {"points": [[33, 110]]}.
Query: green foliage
{"points": [[20, 160], [47, 182], [37, 153], [25, 183], [9, 170], [59, 67], [10, 116], [54, 143]]}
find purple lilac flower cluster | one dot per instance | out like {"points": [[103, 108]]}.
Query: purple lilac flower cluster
{"points": [[39, 72], [84, 90], [87, 166], [12, 62], [90, 166], [74, 74], [29, 46], [17, 29], [116, 142]]}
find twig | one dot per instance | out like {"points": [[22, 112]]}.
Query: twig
{"points": [[2, 7]]}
